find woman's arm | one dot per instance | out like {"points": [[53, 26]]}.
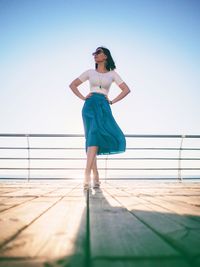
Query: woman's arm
{"points": [[125, 90], [75, 83]]}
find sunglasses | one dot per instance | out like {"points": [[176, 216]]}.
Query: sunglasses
{"points": [[97, 52]]}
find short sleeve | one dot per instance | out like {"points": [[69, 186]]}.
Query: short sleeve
{"points": [[84, 76], [117, 79]]}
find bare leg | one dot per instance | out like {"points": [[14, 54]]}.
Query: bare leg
{"points": [[91, 154], [95, 171]]}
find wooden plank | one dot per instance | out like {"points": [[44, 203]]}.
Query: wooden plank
{"points": [[58, 235], [38, 189], [181, 209], [28, 191], [177, 199], [180, 231], [180, 204], [63, 191], [19, 217], [22, 263], [141, 262], [158, 188], [18, 197], [11, 202], [116, 233], [192, 200], [5, 190], [14, 220]]}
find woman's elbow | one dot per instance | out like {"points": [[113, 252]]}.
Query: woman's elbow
{"points": [[75, 83], [72, 85], [128, 90]]}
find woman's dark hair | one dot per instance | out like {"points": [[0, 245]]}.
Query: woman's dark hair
{"points": [[110, 64]]}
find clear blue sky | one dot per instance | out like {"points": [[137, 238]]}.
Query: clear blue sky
{"points": [[46, 44]]}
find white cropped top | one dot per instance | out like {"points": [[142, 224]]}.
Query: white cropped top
{"points": [[100, 82]]}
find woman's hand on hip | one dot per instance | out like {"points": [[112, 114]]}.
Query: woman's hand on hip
{"points": [[107, 99], [88, 96]]}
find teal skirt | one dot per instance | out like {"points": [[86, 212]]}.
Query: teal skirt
{"points": [[100, 127]]}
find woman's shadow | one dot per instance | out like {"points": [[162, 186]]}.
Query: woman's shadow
{"points": [[109, 232]]}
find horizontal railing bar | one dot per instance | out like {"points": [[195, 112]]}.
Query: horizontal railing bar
{"points": [[41, 135], [21, 168], [82, 135], [104, 179], [73, 148], [161, 148], [80, 148], [100, 159]]}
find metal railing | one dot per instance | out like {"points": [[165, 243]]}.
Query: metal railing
{"points": [[178, 160]]}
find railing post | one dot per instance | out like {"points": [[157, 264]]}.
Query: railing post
{"points": [[28, 147], [179, 159]]}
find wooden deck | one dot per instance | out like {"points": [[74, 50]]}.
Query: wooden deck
{"points": [[123, 224]]}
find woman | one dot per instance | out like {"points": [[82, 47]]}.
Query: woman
{"points": [[102, 133]]}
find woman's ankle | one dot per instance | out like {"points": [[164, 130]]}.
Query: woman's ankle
{"points": [[96, 178], [95, 173]]}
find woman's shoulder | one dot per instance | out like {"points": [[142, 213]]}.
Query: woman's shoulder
{"points": [[90, 71], [114, 72], [117, 77]]}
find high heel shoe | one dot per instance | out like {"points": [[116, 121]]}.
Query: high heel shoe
{"points": [[96, 185], [96, 182], [86, 186], [87, 182]]}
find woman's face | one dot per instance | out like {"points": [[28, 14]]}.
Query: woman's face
{"points": [[99, 55]]}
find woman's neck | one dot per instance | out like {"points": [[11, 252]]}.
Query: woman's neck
{"points": [[101, 67]]}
